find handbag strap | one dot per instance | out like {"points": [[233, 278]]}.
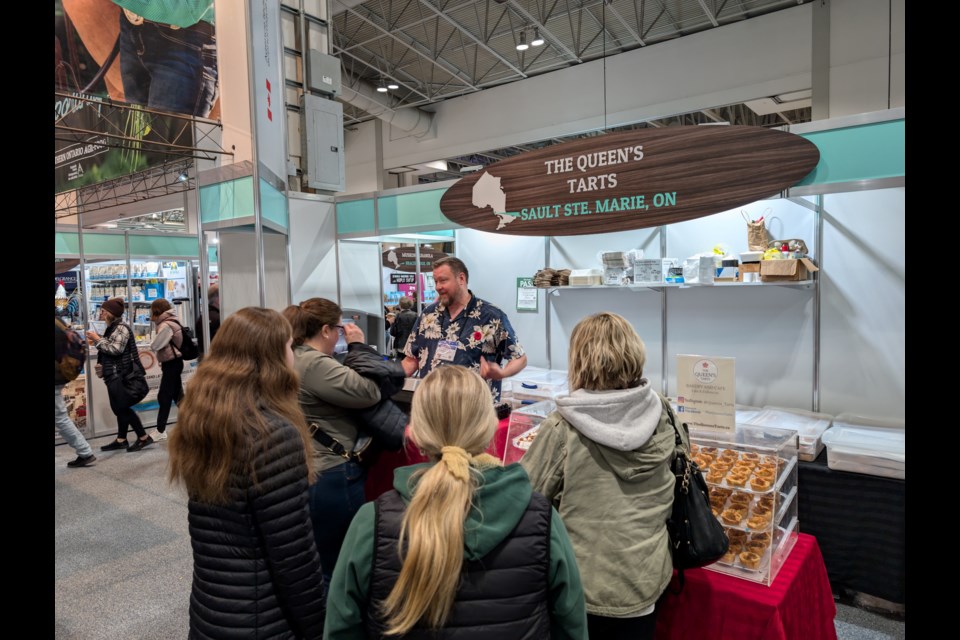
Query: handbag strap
{"points": [[131, 354], [678, 440], [331, 443], [685, 482], [176, 351]]}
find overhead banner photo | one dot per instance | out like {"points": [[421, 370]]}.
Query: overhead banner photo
{"points": [[162, 60]]}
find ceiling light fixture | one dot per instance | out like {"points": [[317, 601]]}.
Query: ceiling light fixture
{"points": [[381, 88], [392, 85], [522, 45], [537, 40]]}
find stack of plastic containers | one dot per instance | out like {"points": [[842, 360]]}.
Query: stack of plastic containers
{"points": [[860, 444], [533, 385], [809, 426]]}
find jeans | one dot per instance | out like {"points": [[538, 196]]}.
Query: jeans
{"points": [[170, 391], [168, 69], [68, 430], [335, 498]]}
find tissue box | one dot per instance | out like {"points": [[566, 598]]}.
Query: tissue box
{"points": [[786, 270]]}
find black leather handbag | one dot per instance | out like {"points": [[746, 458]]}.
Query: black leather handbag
{"points": [[130, 386], [696, 536]]}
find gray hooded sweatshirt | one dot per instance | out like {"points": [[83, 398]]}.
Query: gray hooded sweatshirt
{"points": [[604, 459]]}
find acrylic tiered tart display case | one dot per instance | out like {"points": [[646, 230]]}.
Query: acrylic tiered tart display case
{"points": [[752, 478]]}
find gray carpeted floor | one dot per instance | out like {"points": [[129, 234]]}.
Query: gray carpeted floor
{"points": [[123, 559]]}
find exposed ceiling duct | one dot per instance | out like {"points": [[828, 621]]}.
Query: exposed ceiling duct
{"points": [[415, 121]]}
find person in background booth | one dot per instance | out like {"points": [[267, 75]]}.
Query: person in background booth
{"points": [[213, 316], [403, 325], [347, 408], [167, 347], [113, 350], [460, 328], [61, 418], [484, 556], [241, 450], [603, 458]]}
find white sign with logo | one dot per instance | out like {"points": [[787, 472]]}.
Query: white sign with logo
{"points": [[706, 393]]}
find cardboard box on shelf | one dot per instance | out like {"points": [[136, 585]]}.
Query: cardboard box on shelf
{"points": [[751, 268], [786, 270]]}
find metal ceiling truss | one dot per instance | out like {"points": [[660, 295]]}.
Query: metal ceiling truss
{"points": [[163, 179], [157, 181], [439, 49], [736, 114], [118, 137]]}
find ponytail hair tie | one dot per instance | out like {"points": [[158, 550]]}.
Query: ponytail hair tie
{"points": [[457, 461]]}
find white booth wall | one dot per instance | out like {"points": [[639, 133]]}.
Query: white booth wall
{"points": [[313, 247]]}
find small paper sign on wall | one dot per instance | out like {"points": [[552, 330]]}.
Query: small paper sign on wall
{"points": [[706, 394], [527, 299]]}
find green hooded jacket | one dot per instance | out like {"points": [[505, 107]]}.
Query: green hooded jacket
{"points": [[603, 458], [498, 505]]}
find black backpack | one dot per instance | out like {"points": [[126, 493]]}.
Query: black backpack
{"points": [[70, 362], [188, 348]]}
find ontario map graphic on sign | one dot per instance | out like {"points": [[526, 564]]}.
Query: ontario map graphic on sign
{"points": [[488, 193]]}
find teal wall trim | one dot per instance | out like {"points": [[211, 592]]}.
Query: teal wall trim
{"points": [[863, 152], [112, 245], [273, 205], [226, 200], [407, 211], [356, 216]]}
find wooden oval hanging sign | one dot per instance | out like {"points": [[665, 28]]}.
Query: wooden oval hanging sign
{"points": [[629, 180], [405, 258]]}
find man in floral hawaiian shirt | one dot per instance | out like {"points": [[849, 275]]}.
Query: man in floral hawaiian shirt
{"points": [[460, 328]]}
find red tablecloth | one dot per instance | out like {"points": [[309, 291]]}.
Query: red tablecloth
{"points": [[380, 472], [797, 606]]}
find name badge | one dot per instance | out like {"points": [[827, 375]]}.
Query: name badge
{"points": [[446, 350]]}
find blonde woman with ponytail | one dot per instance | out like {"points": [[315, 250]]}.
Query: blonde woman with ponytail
{"points": [[462, 547]]}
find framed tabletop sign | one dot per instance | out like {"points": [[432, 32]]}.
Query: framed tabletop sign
{"points": [[527, 298], [706, 393]]}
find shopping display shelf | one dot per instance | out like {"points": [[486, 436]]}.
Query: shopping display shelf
{"points": [[656, 286]]}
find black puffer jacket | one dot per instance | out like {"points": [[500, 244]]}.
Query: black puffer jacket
{"points": [[385, 421], [256, 571]]}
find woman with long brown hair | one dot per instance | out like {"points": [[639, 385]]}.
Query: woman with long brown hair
{"points": [[462, 547], [241, 449]]}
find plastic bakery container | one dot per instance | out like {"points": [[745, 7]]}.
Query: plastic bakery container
{"points": [[809, 426], [523, 427], [874, 446], [536, 385]]}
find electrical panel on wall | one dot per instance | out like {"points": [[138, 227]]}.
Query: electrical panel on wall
{"points": [[324, 73], [322, 143]]}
